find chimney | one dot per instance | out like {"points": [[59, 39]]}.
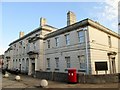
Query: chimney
{"points": [[42, 21], [21, 34], [71, 18]]}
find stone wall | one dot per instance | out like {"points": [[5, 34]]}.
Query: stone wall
{"points": [[54, 76], [108, 78], [44, 75], [62, 77], [81, 78]]}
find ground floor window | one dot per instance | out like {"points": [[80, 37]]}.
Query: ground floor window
{"points": [[48, 62], [81, 62], [57, 62], [67, 59]]}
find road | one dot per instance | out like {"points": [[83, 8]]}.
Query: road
{"points": [[30, 82]]}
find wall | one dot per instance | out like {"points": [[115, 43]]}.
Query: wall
{"points": [[73, 50], [81, 78], [55, 76], [99, 48], [108, 78]]}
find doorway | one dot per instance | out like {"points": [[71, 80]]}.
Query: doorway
{"points": [[113, 65], [33, 69], [20, 68]]}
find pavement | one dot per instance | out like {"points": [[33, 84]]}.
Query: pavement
{"points": [[30, 82]]}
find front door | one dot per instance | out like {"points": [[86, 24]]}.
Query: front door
{"points": [[20, 68], [33, 69], [113, 65]]}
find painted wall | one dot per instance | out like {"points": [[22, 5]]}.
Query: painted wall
{"points": [[100, 47]]}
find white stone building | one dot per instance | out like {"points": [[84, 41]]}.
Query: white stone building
{"points": [[86, 45]]}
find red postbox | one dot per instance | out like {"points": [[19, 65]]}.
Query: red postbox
{"points": [[72, 75]]}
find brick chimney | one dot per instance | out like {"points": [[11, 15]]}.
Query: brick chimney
{"points": [[42, 21], [21, 34], [71, 18]]}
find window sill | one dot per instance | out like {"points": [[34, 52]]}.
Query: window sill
{"points": [[47, 68], [57, 69], [66, 69], [82, 70]]}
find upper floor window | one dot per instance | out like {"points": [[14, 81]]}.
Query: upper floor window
{"points": [[48, 42], [34, 45], [67, 59], [81, 61], [57, 62], [67, 38], [81, 36], [57, 41], [109, 41], [20, 42]]}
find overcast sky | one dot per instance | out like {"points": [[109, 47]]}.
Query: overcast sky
{"points": [[24, 16]]}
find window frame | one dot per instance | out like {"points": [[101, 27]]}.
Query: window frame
{"points": [[57, 41], [48, 43], [48, 62], [81, 38], [57, 62], [109, 42], [68, 64], [81, 63], [67, 39]]}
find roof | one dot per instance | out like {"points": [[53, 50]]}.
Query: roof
{"points": [[79, 24], [74, 26], [32, 32], [51, 26]]}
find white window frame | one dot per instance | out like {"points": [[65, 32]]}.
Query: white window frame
{"points": [[81, 36], [81, 59], [57, 62], [48, 43], [109, 41], [68, 64], [57, 41], [67, 39], [48, 62]]}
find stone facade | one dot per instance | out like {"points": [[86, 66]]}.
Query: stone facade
{"points": [[85, 45]]}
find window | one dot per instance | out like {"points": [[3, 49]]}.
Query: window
{"points": [[48, 62], [67, 61], [34, 44], [81, 61], [16, 63], [109, 41], [13, 63], [48, 42], [81, 36], [67, 38], [57, 41], [57, 62], [23, 64]]}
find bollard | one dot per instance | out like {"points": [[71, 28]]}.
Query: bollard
{"points": [[6, 75], [44, 83], [17, 78]]}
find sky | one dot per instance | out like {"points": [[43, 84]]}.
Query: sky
{"points": [[25, 16]]}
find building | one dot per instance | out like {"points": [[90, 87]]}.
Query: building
{"points": [[86, 45], [1, 60]]}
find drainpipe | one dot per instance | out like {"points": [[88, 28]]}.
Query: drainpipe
{"points": [[86, 50]]}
